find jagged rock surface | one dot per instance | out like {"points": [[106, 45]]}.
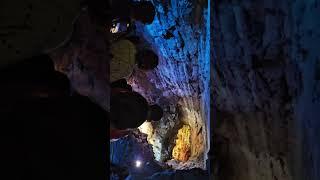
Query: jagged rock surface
{"points": [[84, 59], [180, 38], [179, 35], [264, 89]]}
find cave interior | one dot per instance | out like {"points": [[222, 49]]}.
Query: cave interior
{"points": [[178, 144]]}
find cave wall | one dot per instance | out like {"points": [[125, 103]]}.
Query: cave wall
{"points": [[180, 36], [265, 89], [84, 59], [251, 89], [180, 84], [307, 105]]}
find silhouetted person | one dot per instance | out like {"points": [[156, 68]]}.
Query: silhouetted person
{"points": [[155, 113], [34, 27], [124, 11], [129, 110], [126, 57], [146, 60], [48, 133]]}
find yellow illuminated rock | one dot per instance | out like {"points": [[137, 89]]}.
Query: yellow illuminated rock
{"points": [[182, 150], [146, 128]]}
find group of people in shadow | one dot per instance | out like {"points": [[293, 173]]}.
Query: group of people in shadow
{"points": [[53, 132]]}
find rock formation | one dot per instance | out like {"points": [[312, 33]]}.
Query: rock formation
{"points": [[180, 36], [265, 89]]}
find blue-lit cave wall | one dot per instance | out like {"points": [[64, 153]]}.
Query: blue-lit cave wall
{"points": [[180, 36], [265, 89], [305, 52], [180, 84]]}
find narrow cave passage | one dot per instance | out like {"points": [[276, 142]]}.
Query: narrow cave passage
{"points": [[180, 85]]}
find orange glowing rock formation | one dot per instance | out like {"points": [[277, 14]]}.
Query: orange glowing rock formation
{"points": [[182, 149]]}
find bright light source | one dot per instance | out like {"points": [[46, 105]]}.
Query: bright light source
{"points": [[115, 28], [138, 163]]}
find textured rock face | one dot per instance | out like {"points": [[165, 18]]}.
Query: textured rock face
{"points": [[84, 59], [181, 150], [162, 147], [180, 37], [265, 89], [251, 89], [307, 105], [180, 83]]}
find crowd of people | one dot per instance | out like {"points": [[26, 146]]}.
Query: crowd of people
{"points": [[51, 131], [125, 58]]}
